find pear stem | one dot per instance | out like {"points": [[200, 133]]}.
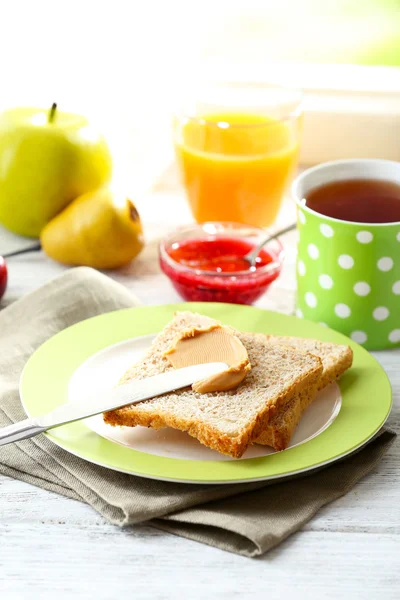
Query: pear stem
{"points": [[52, 113]]}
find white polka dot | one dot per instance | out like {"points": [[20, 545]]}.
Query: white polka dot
{"points": [[380, 313], [301, 268], [313, 251], [346, 261], [323, 324], [396, 288], [394, 336], [326, 230], [302, 217], [325, 281], [362, 288], [311, 299], [359, 336], [398, 237], [385, 263], [299, 313], [364, 237], [342, 310]]}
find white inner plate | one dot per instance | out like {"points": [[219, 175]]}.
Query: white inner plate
{"points": [[104, 369]]}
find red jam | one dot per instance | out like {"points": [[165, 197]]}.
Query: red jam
{"points": [[214, 270]]}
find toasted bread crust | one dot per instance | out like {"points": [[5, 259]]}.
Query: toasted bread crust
{"points": [[207, 435], [279, 431]]}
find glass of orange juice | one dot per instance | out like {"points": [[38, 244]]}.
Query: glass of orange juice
{"points": [[237, 146]]}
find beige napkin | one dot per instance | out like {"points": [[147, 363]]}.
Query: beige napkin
{"points": [[248, 519]]}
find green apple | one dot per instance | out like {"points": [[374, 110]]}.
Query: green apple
{"points": [[47, 159]]}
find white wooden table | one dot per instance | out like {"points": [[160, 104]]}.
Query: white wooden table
{"points": [[51, 544]]}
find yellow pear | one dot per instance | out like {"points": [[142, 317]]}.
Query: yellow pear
{"points": [[97, 230]]}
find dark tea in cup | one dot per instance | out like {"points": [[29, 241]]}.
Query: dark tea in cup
{"points": [[357, 200], [348, 265]]}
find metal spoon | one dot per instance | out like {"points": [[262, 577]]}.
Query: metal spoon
{"points": [[251, 257], [22, 251]]}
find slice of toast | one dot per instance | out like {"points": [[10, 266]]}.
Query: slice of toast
{"points": [[225, 421], [335, 360]]}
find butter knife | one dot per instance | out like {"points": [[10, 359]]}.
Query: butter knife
{"points": [[102, 401]]}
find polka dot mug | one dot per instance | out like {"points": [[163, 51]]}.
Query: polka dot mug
{"points": [[348, 274]]}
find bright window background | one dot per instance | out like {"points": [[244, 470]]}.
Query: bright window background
{"points": [[124, 62]]}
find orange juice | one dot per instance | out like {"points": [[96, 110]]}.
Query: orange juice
{"points": [[236, 166]]}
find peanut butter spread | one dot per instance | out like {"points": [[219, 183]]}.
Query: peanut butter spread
{"points": [[212, 344]]}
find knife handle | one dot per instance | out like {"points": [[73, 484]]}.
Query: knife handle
{"points": [[20, 431]]}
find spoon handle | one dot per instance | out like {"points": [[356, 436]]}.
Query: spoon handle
{"points": [[251, 256], [22, 251]]}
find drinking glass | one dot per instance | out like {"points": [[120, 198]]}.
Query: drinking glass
{"points": [[237, 147]]}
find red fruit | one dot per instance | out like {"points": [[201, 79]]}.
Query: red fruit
{"points": [[3, 276]]}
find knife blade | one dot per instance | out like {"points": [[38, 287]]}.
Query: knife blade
{"points": [[102, 401]]}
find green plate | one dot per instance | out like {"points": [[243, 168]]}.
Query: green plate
{"points": [[365, 389]]}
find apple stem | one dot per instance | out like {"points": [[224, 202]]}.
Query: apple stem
{"points": [[52, 113]]}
